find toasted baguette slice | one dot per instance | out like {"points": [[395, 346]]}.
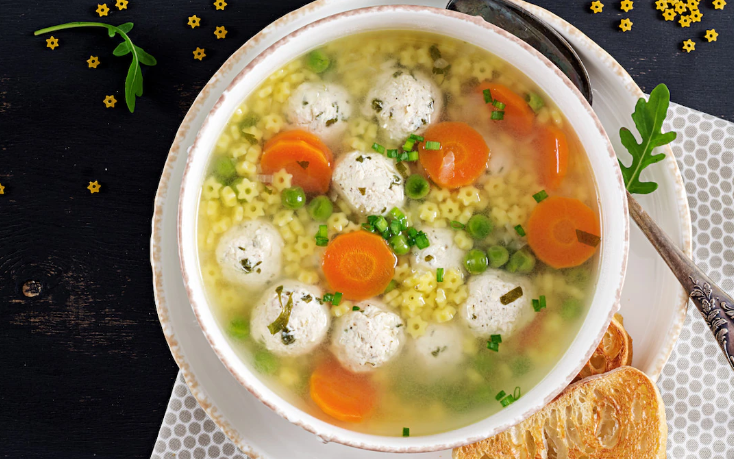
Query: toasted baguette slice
{"points": [[614, 351], [619, 414]]}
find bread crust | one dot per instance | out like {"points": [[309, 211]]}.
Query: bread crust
{"points": [[614, 351]]}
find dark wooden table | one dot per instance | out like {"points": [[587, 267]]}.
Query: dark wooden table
{"points": [[84, 369]]}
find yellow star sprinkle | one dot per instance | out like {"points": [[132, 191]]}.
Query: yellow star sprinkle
{"points": [[194, 21], [669, 15], [199, 53], [93, 62], [719, 4], [684, 21], [711, 35], [220, 32], [220, 4], [121, 4], [626, 5], [110, 101], [680, 8], [102, 9], [695, 16], [52, 42], [597, 6], [625, 24], [2, 189], [94, 187], [689, 46], [693, 4], [661, 5]]}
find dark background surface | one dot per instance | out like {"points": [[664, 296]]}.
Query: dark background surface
{"points": [[84, 369]]}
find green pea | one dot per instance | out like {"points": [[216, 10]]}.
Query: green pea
{"points": [[579, 275], [239, 328], [476, 261], [399, 244], [498, 256], [225, 171], [320, 208], [485, 362], [571, 309], [416, 187], [265, 362], [521, 365], [318, 61], [293, 198], [479, 226], [521, 261]]}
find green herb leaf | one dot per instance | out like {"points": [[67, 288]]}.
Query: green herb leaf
{"points": [[126, 27], [144, 57], [648, 117], [122, 49], [133, 84]]}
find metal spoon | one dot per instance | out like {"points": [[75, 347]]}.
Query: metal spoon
{"points": [[712, 302]]}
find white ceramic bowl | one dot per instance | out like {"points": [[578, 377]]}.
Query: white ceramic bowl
{"points": [[612, 204]]}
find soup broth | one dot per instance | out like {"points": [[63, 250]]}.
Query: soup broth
{"points": [[398, 233]]}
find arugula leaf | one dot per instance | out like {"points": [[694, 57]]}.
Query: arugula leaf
{"points": [[134, 79], [648, 117]]}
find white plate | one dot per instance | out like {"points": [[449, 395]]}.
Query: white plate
{"points": [[653, 303]]}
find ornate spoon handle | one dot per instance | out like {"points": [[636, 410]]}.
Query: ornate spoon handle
{"points": [[716, 307]]}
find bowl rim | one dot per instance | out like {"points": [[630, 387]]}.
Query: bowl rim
{"points": [[252, 383]]}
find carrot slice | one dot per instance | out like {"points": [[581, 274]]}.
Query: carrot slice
{"points": [[360, 265], [300, 134], [551, 231], [519, 117], [462, 157], [340, 394], [309, 166], [552, 148]]}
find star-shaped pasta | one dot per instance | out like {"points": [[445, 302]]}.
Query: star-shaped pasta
{"points": [[661, 5], [695, 16], [52, 42], [689, 45], [597, 6], [93, 62], [680, 7], [719, 4], [194, 21], [220, 4], [626, 5], [282, 180], [110, 101], [94, 187], [693, 4], [199, 53], [625, 24], [2, 189], [121, 4], [220, 32], [711, 35], [669, 15], [684, 21], [102, 9]]}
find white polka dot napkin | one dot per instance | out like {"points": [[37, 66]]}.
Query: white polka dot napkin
{"points": [[696, 383]]}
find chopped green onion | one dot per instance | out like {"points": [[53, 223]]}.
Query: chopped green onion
{"points": [[323, 231], [380, 224], [535, 101], [492, 346], [536, 305], [355, 308], [408, 145], [406, 432], [539, 304], [413, 156], [386, 234], [433, 145], [496, 338], [322, 241], [416, 138], [540, 195], [519, 230], [517, 393], [421, 240], [498, 104], [372, 219], [439, 275], [368, 227], [392, 153], [412, 232], [404, 156], [396, 213], [511, 296], [328, 298], [507, 401], [500, 396], [589, 239], [487, 96], [457, 225], [391, 286], [498, 115], [542, 302], [378, 148], [395, 226], [337, 298]]}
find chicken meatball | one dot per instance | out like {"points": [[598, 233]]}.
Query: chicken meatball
{"points": [[249, 254], [297, 332], [322, 108], [440, 348], [483, 310], [403, 102], [368, 182], [369, 338], [442, 253]]}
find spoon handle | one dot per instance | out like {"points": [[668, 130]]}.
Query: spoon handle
{"points": [[716, 307]]}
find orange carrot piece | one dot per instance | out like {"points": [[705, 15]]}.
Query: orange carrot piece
{"points": [[462, 157], [519, 117], [308, 165], [300, 134], [552, 148], [340, 394], [360, 265], [551, 231]]}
